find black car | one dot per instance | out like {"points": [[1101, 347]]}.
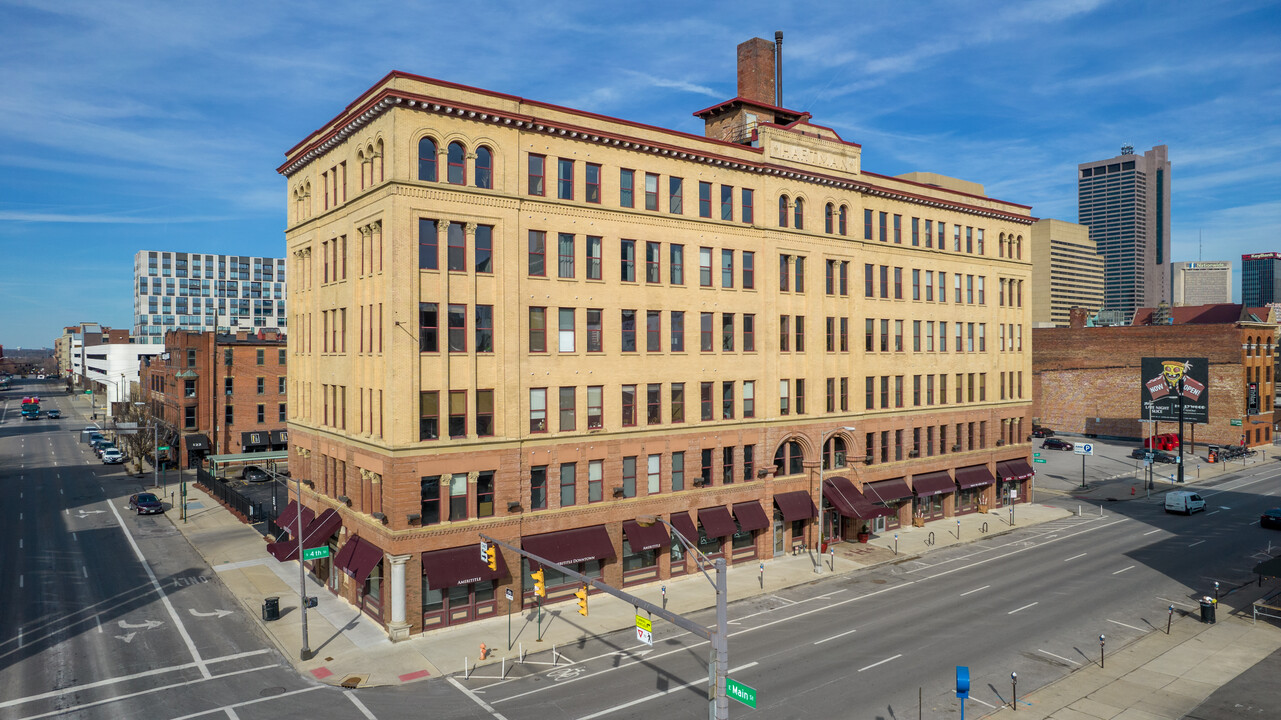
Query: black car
{"points": [[1042, 432], [1160, 456], [1056, 444], [1271, 519], [55, 414], [146, 503], [253, 473]]}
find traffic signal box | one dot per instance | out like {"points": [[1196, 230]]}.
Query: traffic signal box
{"points": [[582, 601], [491, 556], [540, 589]]}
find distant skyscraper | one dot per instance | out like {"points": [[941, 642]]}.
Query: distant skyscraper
{"points": [[1067, 272], [1201, 282], [1260, 279], [1125, 201], [215, 293]]}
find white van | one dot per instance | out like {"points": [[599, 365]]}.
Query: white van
{"points": [[1183, 501]]}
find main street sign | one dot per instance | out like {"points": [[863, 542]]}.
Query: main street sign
{"points": [[315, 553], [741, 692], [1083, 448]]}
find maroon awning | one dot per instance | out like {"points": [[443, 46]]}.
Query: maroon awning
{"points": [[796, 505], [1014, 469], [315, 534], [460, 566], [640, 537], [288, 520], [685, 526], [365, 557], [282, 551], [344, 555], [887, 490], [974, 476], [570, 546], [716, 521], [750, 516], [850, 502], [933, 483]]}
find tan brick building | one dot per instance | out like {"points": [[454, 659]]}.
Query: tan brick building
{"points": [[541, 323], [1086, 380], [220, 393]]}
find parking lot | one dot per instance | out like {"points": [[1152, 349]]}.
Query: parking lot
{"points": [[1062, 469]]}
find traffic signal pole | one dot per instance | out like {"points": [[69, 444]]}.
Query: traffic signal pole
{"points": [[718, 662]]}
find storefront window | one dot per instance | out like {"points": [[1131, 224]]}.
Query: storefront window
{"points": [[374, 584], [433, 600]]}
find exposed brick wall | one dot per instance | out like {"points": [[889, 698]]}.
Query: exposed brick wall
{"points": [[756, 70]]}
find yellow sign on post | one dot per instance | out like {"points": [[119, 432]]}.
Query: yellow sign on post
{"points": [[644, 630]]}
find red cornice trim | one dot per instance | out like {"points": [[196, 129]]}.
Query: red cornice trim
{"points": [[744, 101]]}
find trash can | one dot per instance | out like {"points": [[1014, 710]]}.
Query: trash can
{"points": [[271, 609], [1207, 610]]}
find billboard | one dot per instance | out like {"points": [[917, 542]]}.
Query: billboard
{"points": [[1162, 379]]}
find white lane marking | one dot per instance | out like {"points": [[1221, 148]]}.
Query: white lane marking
{"points": [[1025, 607], [73, 537], [19, 636], [20, 516], [1066, 660], [135, 676], [85, 570], [1216, 512], [1075, 557], [1175, 602], [983, 703], [1118, 572], [98, 620], [1117, 622], [21, 580], [19, 543], [882, 662], [1198, 542], [164, 599], [474, 698], [840, 635], [828, 595], [231, 714], [783, 599], [359, 705], [631, 703], [971, 592], [1151, 531]]}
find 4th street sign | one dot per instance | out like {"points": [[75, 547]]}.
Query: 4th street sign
{"points": [[315, 553], [741, 692]]}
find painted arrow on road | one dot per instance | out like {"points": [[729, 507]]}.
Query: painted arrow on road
{"points": [[150, 624], [218, 613], [86, 513], [127, 638]]}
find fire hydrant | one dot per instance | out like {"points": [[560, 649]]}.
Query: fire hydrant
{"points": [[484, 651]]}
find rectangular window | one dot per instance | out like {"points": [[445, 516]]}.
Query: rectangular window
{"points": [[831, 395], [484, 328], [593, 183], [568, 412], [594, 260], [565, 255], [727, 465], [428, 415], [727, 268], [705, 199], [653, 404], [653, 262], [898, 229], [428, 328], [651, 191], [929, 233], [678, 471], [845, 334], [537, 253], [727, 203], [885, 335], [749, 207], [705, 332], [885, 282], [653, 331], [749, 462], [428, 245], [705, 401], [627, 260], [869, 393], [869, 280], [800, 397], [727, 332], [676, 196], [678, 402], [799, 266], [629, 405], [565, 330], [749, 270], [628, 328], [652, 483], [538, 410], [749, 332], [484, 413], [885, 391], [595, 480], [916, 232], [484, 249], [942, 286], [457, 413], [429, 489], [884, 217], [799, 327], [929, 286], [537, 487], [705, 467], [784, 397], [595, 407], [595, 334], [678, 331], [784, 333], [627, 188], [629, 477], [898, 283], [537, 329], [831, 334], [916, 284], [705, 267], [749, 398], [845, 394], [456, 256], [867, 224], [457, 328], [565, 179], [916, 336], [537, 172], [727, 400]]}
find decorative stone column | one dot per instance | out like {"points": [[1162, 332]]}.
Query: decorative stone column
{"points": [[398, 628]]}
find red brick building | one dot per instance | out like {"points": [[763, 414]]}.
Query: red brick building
{"points": [[220, 393], [1086, 380]]}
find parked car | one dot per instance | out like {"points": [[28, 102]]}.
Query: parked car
{"points": [[112, 456], [1056, 444], [1271, 519], [1042, 432], [1160, 456], [1183, 501], [55, 414], [146, 503], [253, 473]]}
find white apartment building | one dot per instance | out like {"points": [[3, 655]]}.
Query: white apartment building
{"points": [[203, 292]]}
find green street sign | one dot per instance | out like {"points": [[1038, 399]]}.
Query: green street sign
{"points": [[1036, 454], [1235, 423], [88, 392], [741, 692], [315, 553], [1036, 460], [163, 447]]}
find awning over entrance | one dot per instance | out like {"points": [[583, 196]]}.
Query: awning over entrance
{"points": [[850, 502], [459, 566], [716, 521], [254, 439], [974, 476], [568, 547], [750, 516], [278, 437], [934, 483], [640, 537], [288, 520], [315, 534], [1017, 469], [887, 490], [363, 557], [198, 442], [685, 526], [796, 505]]}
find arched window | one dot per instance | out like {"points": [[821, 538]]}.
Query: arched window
{"points": [[782, 211], [427, 159], [484, 167], [1019, 246], [789, 460], [842, 224], [457, 164], [800, 214], [827, 219], [378, 162], [834, 453]]}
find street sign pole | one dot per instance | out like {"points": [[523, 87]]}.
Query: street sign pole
{"points": [[509, 619]]}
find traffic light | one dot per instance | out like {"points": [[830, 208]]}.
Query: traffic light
{"points": [[491, 557], [539, 588], [582, 601]]}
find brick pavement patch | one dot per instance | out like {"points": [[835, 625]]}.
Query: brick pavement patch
{"points": [[410, 677]]}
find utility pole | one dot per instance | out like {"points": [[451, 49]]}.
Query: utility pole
{"points": [[1180, 429]]}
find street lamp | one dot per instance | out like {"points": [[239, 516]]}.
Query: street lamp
{"points": [[718, 662], [305, 652], [822, 459]]}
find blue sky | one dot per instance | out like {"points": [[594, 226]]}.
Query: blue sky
{"points": [[159, 125]]}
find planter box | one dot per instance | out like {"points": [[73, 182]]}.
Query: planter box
{"points": [[863, 537], [918, 522], [982, 507]]}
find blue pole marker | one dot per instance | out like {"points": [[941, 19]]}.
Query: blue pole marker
{"points": [[962, 686]]}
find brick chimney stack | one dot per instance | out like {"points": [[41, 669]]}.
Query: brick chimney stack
{"points": [[756, 71], [1077, 317]]}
